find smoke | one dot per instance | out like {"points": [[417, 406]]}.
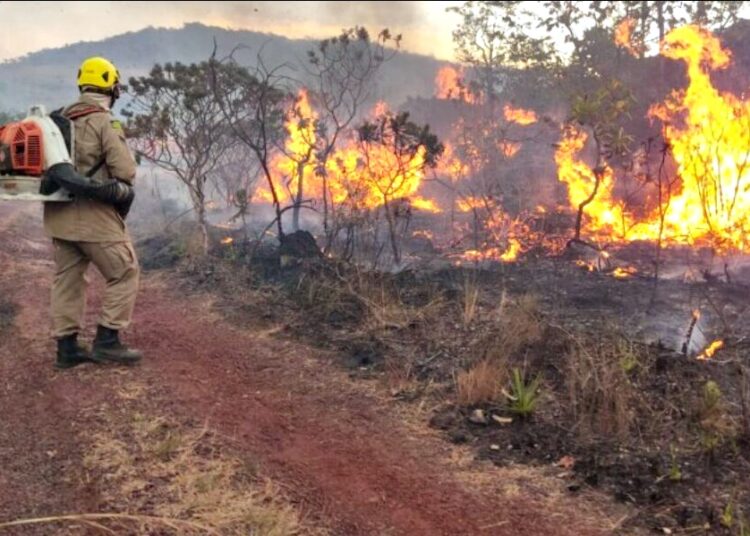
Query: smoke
{"points": [[426, 25], [397, 14]]}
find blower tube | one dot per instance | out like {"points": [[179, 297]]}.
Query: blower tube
{"points": [[110, 191]]}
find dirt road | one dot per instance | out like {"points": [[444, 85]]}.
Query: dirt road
{"points": [[338, 454]]}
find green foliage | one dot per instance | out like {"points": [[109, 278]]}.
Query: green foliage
{"points": [[602, 110], [540, 33], [715, 425], [241, 201], [402, 137], [351, 43], [727, 515], [175, 102], [711, 396], [524, 395], [629, 358]]}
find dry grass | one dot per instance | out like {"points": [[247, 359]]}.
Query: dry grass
{"points": [[715, 424], [520, 321], [515, 324], [511, 326], [601, 394], [470, 301], [482, 383], [745, 400], [387, 311], [163, 474]]}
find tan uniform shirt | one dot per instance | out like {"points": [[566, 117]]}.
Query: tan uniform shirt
{"points": [[86, 220]]}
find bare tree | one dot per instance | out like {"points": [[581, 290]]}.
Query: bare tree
{"points": [[236, 178], [251, 102], [176, 124]]}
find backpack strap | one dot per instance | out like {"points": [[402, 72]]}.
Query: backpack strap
{"points": [[77, 113], [97, 166], [83, 111]]}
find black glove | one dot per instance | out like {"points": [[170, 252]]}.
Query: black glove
{"points": [[48, 186], [113, 192]]}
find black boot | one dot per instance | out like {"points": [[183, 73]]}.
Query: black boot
{"points": [[108, 349], [70, 353]]}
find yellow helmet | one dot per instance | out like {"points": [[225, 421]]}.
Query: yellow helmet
{"points": [[98, 73]]}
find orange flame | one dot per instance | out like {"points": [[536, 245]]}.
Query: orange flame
{"points": [[504, 238], [519, 115], [511, 254], [423, 233], [709, 135], [449, 84], [361, 180], [603, 213], [427, 205], [493, 253], [451, 165], [624, 273], [624, 36], [709, 352], [228, 240], [509, 149], [467, 204]]}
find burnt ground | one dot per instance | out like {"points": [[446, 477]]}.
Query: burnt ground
{"points": [[621, 407], [229, 427]]}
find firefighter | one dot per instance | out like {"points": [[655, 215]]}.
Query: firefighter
{"points": [[91, 229]]}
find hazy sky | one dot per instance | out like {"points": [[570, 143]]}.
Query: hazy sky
{"points": [[31, 26]]}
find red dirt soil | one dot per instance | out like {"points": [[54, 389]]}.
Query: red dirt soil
{"points": [[342, 455]]}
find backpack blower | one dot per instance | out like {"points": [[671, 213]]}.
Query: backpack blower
{"points": [[35, 164], [27, 149]]}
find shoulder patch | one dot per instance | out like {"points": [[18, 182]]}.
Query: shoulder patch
{"points": [[116, 124]]}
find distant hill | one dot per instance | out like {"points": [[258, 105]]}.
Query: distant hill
{"points": [[48, 76]]}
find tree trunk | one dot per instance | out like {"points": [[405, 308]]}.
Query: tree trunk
{"points": [[598, 174], [244, 227], [204, 227], [274, 195], [644, 27], [299, 196], [392, 234]]}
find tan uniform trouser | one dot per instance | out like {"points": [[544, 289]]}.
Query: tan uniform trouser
{"points": [[116, 261]]}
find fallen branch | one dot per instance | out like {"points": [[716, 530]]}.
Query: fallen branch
{"points": [[689, 335], [176, 524]]}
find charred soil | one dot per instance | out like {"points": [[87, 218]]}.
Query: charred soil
{"points": [[605, 397]]}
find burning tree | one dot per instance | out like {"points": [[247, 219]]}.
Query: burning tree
{"points": [[394, 154], [176, 124], [708, 135], [297, 156], [592, 188], [483, 141], [343, 71]]}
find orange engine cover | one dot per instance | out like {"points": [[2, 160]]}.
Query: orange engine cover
{"points": [[21, 149]]}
